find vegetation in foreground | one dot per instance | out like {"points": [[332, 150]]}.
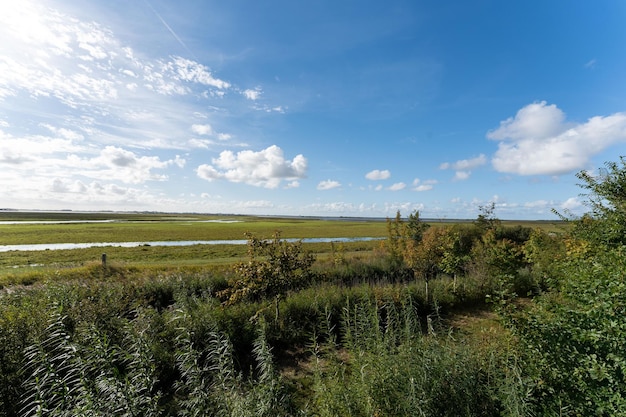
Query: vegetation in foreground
{"points": [[284, 333]]}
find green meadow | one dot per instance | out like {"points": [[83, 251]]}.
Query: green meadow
{"points": [[433, 318], [151, 227]]}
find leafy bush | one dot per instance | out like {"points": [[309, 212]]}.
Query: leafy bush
{"points": [[574, 337], [274, 267], [575, 340]]}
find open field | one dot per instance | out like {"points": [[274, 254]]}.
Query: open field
{"points": [[73, 227], [446, 323], [132, 227]]}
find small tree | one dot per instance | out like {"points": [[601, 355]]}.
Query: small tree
{"points": [[424, 257], [415, 227], [605, 224], [487, 219], [455, 255], [395, 243], [542, 252], [273, 267]]}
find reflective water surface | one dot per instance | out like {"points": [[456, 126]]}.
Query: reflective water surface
{"points": [[65, 246]]}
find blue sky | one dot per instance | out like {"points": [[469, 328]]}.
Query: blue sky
{"points": [[331, 108]]}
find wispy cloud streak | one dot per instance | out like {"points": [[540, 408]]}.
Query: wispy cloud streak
{"points": [[169, 28]]}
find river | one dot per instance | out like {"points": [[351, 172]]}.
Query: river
{"points": [[66, 246]]}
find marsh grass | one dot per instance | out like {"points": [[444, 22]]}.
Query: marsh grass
{"points": [[185, 228], [26, 268], [388, 366], [112, 350], [149, 335]]}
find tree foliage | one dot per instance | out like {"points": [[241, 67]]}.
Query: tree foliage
{"points": [[274, 266], [606, 197], [574, 337], [415, 226], [487, 219]]}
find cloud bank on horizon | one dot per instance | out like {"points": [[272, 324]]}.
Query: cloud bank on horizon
{"points": [[147, 106]]}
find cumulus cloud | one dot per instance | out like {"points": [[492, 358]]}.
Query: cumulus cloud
{"points": [[465, 164], [423, 187], [93, 192], [397, 186], [420, 186], [463, 167], [266, 168], [115, 163], [292, 184], [571, 204], [377, 175], [204, 129], [252, 94], [539, 140], [328, 185]]}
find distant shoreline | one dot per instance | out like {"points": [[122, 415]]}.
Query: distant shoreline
{"points": [[268, 216]]}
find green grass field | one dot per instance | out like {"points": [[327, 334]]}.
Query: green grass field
{"points": [[133, 228], [16, 266]]}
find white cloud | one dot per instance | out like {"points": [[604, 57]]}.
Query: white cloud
{"points": [[122, 165], [571, 204], [423, 187], [328, 185], [337, 207], [537, 204], [224, 136], [205, 129], [199, 143], [397, 186], [537, 121], [191, 71], [266, 168], [591, 64], [538, 140], [269, 109], [463, 167], [57, 65], [376, 175], [420, 186], [465, 164], [251, 94]]}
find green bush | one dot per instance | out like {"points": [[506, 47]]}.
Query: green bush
{"points": [[273, 267], [575, 340]]}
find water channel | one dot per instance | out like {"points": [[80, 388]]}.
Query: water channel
{"points": [[66, 246]]}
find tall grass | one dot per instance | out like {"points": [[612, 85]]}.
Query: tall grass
{"points": [[387, 366], [138, 342]]}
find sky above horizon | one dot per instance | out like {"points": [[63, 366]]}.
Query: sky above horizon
{"points": [[343, 108]]}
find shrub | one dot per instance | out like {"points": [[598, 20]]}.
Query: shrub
{"points": [[274, 267]]}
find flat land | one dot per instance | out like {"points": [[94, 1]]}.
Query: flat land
{"points": [[19, 228]]}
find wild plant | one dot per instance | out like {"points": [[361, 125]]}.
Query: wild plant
{"points": [[210, 385], [273, 267], [54, 384], [390, 368]]}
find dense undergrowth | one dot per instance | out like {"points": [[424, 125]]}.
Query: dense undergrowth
{"points": [[283, 334]]}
